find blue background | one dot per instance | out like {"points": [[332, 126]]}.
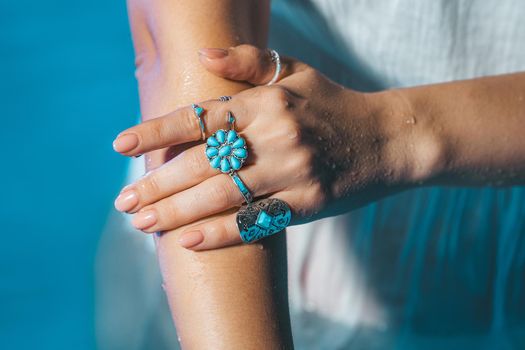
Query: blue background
{"points": [[66, 89]]}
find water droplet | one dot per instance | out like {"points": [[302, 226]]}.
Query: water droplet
{"points": [[410, 120]]}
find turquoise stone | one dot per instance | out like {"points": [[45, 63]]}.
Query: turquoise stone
{"points": [[264, 220], [225, 165], [220, 135], [231, 118], [232, 135], [239, 143], [225, 151], [215, 162], [212, 141], [198, 110], [236, 163], [212, 152], [240, 153], [239, 183]]}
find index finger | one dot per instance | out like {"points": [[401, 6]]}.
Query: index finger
{"points": [[178, 127]]}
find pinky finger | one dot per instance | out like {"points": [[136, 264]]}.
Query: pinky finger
{"points": [[212, 234]]}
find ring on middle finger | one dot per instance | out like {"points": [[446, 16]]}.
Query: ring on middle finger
{"points": [[226, 150]]}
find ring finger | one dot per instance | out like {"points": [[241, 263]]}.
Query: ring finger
{"points": [[209, 197]]}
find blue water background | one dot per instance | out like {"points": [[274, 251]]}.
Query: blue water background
{"points": [[66, 89]]}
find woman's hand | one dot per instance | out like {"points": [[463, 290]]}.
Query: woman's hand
{"points": [[321, 148]]}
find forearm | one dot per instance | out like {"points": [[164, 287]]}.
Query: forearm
{"points": [[462, 133], [230, 298]]}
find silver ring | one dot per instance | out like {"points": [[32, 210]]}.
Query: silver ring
{"points": [[263, 218], [245, 192], [277, 60], [197, 111], [225, 98]]}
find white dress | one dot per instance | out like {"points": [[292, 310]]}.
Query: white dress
{"points": [[431, 268]]}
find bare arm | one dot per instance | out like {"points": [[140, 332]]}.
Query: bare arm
{"points": [[231, 298]]}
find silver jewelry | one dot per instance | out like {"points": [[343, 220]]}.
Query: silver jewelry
{"points": [[198, 111], [262, 219], [226, 151], [277, 60], [225, 98]]}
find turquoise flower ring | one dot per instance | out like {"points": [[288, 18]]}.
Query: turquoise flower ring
{"points": [[226, 150], [262, 219], [198, 111]]}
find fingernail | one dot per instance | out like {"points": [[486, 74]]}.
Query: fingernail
{"points": [[127, 200], [145, 219], [212, 53], [191, 239], [125, 143]]}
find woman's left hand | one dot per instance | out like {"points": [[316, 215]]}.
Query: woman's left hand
{"points": [[321, 148]]}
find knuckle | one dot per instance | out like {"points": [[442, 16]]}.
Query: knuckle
{"points": [[153, 130], [167, 213], [311, 73], [218, 232], [278, 94], [313, 200], [196, 163], [149, 186], [221, 194], [292, 131], [305, 158]]}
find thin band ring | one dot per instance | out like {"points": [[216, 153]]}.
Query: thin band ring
{"points": [[245, 192], [198, 111], [225, 98], [277, 60]]}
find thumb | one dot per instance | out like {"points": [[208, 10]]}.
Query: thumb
{"points": [[246, 63]]}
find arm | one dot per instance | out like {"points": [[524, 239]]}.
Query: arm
{"points": [[466, 133], [219, 299]]}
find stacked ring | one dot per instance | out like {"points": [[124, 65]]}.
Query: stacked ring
{"points": [[197, 110], [227, 151], [277, 60]]}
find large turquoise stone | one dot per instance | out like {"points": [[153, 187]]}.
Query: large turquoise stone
{"points": [[220, 135], [232, 135], [239, 143], [264, 220], [212, 152], [225, 165], [236, 163], [225, 151], [212, 141], [215, 162], [240, 153]]}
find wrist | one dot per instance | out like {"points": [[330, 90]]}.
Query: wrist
{"points": [[414, 152]]}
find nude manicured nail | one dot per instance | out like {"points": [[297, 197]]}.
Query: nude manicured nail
{"points": [[191, 239], [212, 53], [144, 219], [126, 201], [125, 143]]}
